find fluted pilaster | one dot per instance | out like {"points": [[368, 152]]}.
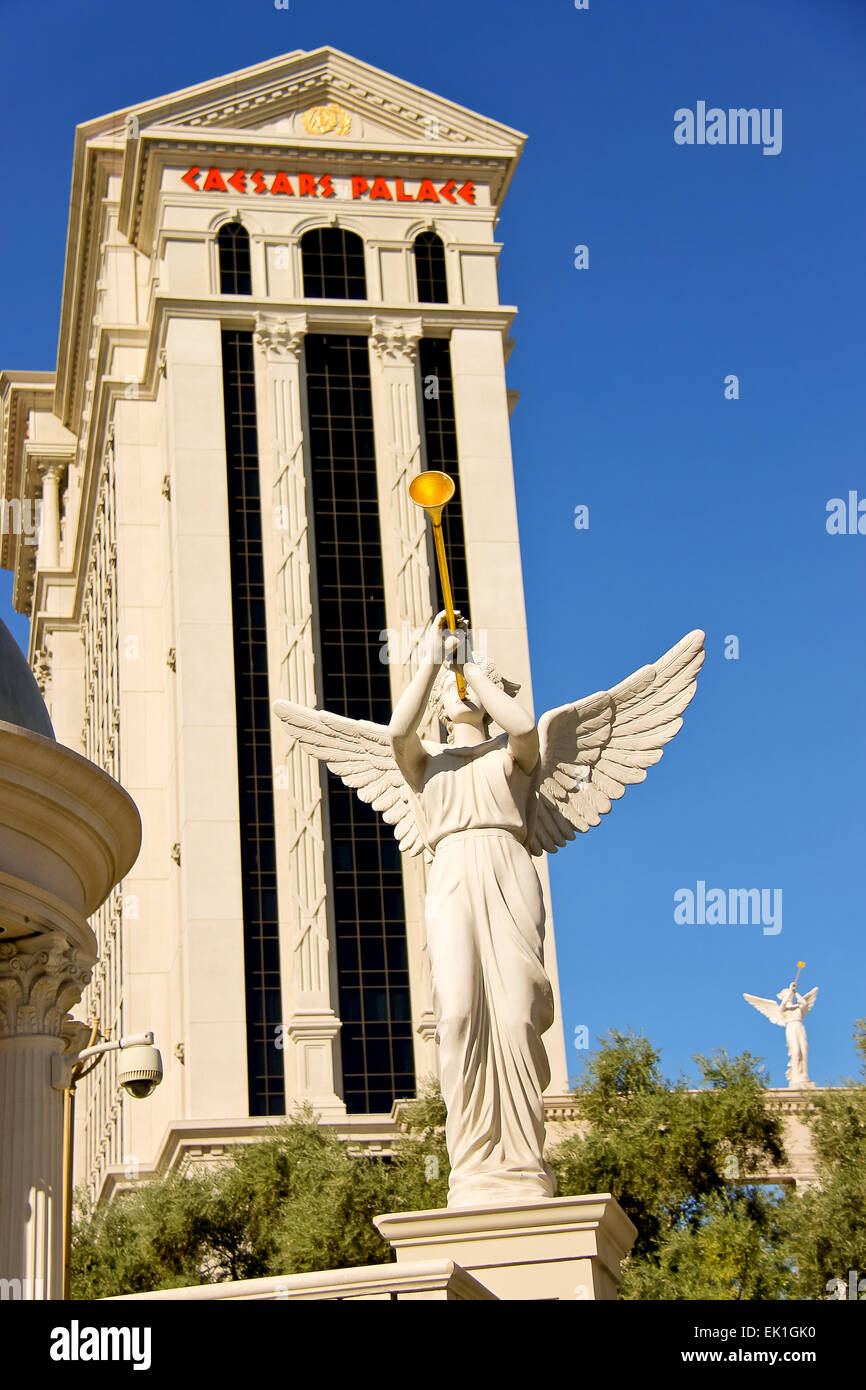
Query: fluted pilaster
{"points": [[408, 602], [41, 977], [310, 986]]}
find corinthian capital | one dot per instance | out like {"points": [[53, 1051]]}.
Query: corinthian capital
{"points": [[395, 339], [281, 338], [41, 979], [50, 470]]}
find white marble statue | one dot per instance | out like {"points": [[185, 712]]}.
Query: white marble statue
{"points": [[789, 1014], [479, 807]]}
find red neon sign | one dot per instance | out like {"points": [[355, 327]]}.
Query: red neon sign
{"points": [[308, 186]]}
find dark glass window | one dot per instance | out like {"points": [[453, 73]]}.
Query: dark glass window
{"points": [[252, 702], [234, 254], [333, 262], [440, 439], [369, 911], [430, 269]]}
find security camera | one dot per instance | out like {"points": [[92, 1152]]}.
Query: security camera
{"points": [[139, 1070]]}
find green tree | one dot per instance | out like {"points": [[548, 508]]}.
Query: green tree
{"points": [[302, 1199], [297, 1200], [672, 1158], [159, 1236], [734, 1250]]}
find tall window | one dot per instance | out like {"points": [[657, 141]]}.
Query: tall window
{"points": [[440, 441], [430, 269], [333, 262], [369, 912], [252, 706], [233, 243]]}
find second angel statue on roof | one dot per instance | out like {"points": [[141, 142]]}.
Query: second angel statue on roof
{"points": [[480, 806]]}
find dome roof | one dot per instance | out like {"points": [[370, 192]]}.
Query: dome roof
{"points": [[21, 701]]}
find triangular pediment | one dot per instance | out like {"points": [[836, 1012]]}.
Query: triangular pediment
{"points": [[323, 96]]}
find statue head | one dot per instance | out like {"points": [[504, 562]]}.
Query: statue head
{"points": [[446, 705]]}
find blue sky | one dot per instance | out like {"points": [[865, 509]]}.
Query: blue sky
{"points": [[703, 512]]}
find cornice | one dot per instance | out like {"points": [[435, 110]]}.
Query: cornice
{"points": [[20, 392], [322, 316], [92, 166], [366, 91], [160, 148], [60, 800], [292, 82]]}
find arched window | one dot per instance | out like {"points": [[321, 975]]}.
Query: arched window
{"points": [[233, 243], [333, 262], [430, 269]]}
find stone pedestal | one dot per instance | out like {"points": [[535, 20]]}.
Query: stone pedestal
{"points": [[563, 1248]]}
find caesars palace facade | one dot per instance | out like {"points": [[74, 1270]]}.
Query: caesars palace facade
{"points": [[280, 303]]}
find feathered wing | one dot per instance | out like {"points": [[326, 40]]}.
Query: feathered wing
{"points": [[768, 1007], [360, 753], [590, 751], [809, 999]]}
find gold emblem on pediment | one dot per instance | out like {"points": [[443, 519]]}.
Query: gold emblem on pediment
{"points": [[327, 120]]}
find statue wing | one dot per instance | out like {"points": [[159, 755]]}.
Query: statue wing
{"points": [[768, 1007], [361, 754], [590, 751], [809, 999]]}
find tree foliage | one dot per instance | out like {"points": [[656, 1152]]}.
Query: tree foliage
{"points": [[677, 1160], [672, 1157], [298, 1200]]}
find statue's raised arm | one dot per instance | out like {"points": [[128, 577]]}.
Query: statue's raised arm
{"points": [[788, 1010]]}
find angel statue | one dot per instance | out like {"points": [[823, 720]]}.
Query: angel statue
{"points": [[789, 1014], [480, 806]]}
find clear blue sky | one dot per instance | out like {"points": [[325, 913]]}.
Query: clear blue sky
{"points": [[704, 512]]}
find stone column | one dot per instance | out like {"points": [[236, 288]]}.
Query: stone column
{"points": [[68, 834], [408, 605], [49, 535], [41, 977], [309, 975]]}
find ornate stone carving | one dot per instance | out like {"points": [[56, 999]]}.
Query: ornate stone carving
{"points": [[41, 979], [330, 119], [42, 667], [281, 338], [394, 338]]}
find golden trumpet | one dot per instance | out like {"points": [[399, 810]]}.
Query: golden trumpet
{"points": [[433, 491]]}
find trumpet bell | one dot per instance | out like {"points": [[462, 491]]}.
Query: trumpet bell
{"points": [[431, 490]]}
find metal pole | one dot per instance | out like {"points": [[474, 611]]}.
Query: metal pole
{"points": [[68, 1117]]}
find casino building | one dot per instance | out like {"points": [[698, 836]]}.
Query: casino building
{"points": [[280, 303]]}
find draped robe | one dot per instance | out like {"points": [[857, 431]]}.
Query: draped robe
{"points": [[491, 996]]}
